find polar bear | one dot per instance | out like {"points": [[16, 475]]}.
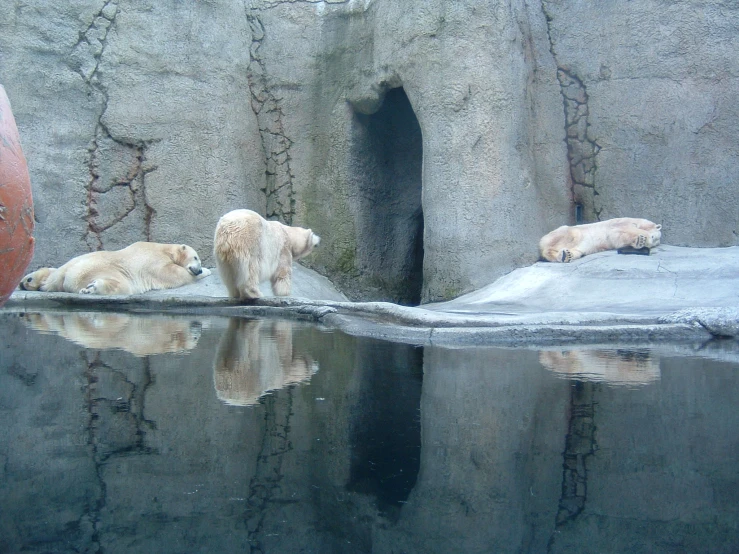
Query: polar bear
{"points": [[249, 249], [138, 268], [36, 279], [568, 243]]}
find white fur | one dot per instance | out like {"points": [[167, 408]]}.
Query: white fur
{"points": [[248, 250], [568, 243], [138, 268]]}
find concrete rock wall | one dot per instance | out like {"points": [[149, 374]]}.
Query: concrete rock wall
{"points": [[429, 143], [135, 120], [650, 92], [482, 87]]}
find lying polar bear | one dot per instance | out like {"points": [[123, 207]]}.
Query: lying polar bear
{"points": [[568, 243], [138, 268]]}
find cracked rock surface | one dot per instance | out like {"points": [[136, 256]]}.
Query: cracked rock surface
{"points": [[148, 120]]}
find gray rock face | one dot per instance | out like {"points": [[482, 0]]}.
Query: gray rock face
{"points": [[650, 93], [430, 143], [134, 119]]}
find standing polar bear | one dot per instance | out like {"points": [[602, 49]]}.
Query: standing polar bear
{"points": [[249, 249], [566, 243], [138, 268]]}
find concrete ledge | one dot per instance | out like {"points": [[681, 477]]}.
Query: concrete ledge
{"points": [[674, 295], [415, 325]]}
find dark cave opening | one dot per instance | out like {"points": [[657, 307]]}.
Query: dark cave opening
{"points": [[387, 174]]}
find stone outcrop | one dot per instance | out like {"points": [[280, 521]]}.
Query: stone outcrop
{"points": [[430, 143]]}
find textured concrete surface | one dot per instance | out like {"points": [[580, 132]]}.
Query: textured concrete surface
{"points": [[650, 92], [670, 278], [674, 294], [148, 120], [133, 119]]}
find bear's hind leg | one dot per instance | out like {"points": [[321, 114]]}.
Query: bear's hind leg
{"points": [[106, 287], [572, 254], [248, 281], [250, 293], [553, 255], [631, 236], [94, 287], [229, 277]]}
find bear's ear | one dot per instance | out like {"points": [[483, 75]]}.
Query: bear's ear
{"points": [[183, 247], [659, 226]]}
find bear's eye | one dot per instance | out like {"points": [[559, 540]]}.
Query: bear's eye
{"points": [[29, 279]]}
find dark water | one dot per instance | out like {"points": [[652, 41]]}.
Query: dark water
{"points": [[155, 435]]}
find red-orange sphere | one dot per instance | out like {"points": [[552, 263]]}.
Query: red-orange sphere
{"points": [[16, 204]]}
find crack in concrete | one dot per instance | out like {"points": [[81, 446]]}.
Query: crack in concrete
{"points": [[265, 484], [134, 181], [674, 281], [582, 149], [85, 60], [279, 188], [88, 50]]}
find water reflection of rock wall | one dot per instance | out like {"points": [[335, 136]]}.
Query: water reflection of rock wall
{"points": [[47, 474], [663, 474], [491, 457], [105, 450]]}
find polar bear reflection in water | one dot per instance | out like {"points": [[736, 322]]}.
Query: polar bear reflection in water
{"points": [[255, 357], [139, 335], [616, 367]]}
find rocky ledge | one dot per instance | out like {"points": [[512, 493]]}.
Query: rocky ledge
{"points": [[674, 294]]}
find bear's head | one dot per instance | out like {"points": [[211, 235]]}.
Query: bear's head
{"points": [[34, 281], [302, 241], [189, 259]]}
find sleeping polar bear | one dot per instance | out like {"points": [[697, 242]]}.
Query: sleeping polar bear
{"points": [[138, 268], [249, 249], [568, 243]]}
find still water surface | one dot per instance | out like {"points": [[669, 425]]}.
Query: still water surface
{"points": [[162, 434]]}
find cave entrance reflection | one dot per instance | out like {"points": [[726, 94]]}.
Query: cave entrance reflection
{"points": [[387, 180]]}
